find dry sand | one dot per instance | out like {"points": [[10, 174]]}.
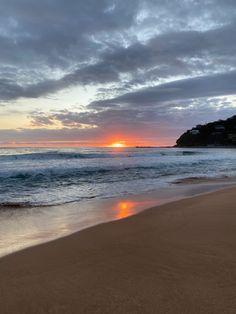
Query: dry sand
{"points": [[176, 258]]}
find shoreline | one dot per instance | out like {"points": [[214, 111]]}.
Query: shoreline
{"points": [[175, 258], [38, 225]]}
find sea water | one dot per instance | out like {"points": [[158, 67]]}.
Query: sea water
{"points": [[39, 177]]}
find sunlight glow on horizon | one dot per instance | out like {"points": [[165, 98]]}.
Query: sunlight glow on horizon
{"points": [[71, 144], [118, 144], [120, 141]]}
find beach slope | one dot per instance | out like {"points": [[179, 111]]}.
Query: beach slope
{"points": [[176, 258]]}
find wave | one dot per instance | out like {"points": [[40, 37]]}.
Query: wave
{"points": [[59, 155], [201, 179], [15, 205], [73, 175], [49, 177], [51, 155], [12, 205], [67, 172]]}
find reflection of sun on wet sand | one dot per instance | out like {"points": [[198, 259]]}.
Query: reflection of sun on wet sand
{"points": [[124, 209], [176, 258]]}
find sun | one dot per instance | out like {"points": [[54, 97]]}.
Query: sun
{"points": [[118, 144]]}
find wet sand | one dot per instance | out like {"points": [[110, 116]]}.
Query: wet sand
{"points": [[176, 258]]}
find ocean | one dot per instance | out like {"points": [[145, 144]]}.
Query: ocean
{"points": [[40, 177]]}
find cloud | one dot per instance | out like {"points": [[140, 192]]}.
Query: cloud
{"points": [[146, 61], [163, 56], [145, 124], [55, 38], [204, 86], [88, 43]]}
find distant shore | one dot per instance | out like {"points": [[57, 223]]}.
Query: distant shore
{"points": [[176, 258]]}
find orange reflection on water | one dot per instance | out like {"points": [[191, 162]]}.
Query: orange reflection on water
{"points": [[124, 209]]}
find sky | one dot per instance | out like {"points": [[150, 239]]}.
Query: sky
{"points": [[93, 73]]}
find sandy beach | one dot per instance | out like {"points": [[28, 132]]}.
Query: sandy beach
{"points": [[176, 258]]}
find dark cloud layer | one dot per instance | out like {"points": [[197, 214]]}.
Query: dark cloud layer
{"points": [[144, 58], [182, 53], [204, 86]]}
